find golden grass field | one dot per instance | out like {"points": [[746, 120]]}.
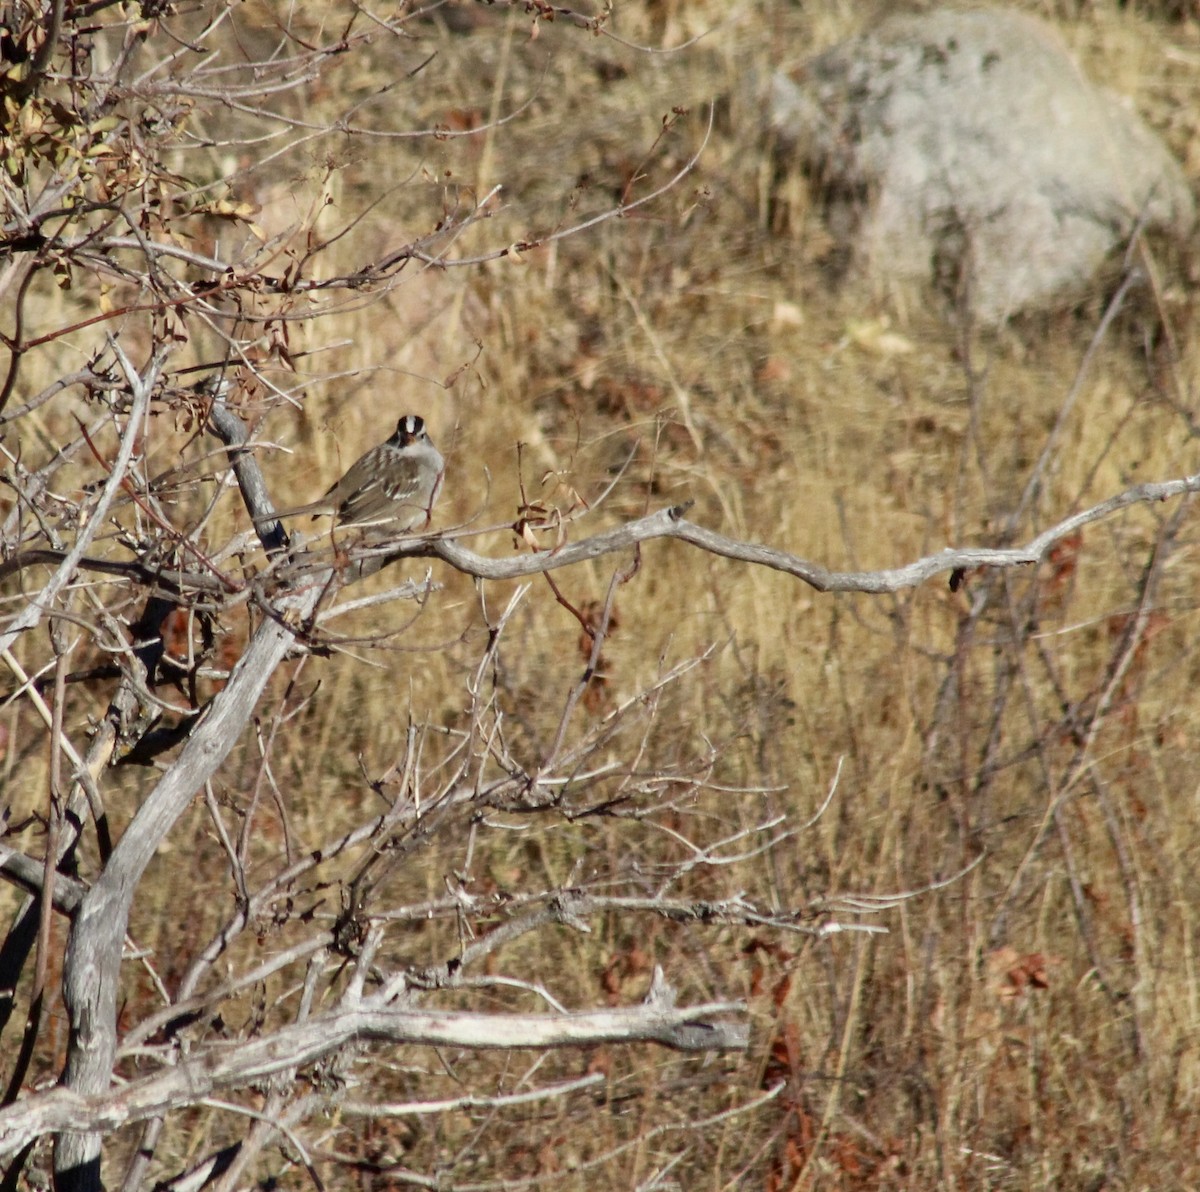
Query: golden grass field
{"points": [[1020, 757]]}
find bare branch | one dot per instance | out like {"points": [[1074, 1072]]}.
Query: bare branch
{"points": [[62, 1109], [140, 387], [671, 523]]}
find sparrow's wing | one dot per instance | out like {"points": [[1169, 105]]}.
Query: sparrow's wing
{"points": [[394, 498], [365, 504]]}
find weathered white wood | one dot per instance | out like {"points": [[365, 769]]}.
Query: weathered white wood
{"points": [[236, 1065]]}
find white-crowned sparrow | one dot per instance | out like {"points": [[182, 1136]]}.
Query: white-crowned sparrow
{"points": [[392, 487]]}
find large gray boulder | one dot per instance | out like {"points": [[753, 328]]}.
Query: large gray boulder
{"points": [[968, 148]]}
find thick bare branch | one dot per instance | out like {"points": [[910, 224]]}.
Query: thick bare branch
{"points": [[239, 1065], [671, 523]]}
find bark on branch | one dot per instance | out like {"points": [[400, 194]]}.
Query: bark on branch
{"points": [[247, 1061], [671, 523]]}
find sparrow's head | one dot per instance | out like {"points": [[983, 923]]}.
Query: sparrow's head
{"points": [[410, 429]]}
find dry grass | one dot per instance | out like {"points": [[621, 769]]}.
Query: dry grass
{"points": [[1031, 1024]]}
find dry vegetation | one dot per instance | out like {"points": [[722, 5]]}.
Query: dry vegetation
{"points": [[1019, 756]]}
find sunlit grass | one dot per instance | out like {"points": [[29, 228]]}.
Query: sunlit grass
{"points": [[711, 347]]}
